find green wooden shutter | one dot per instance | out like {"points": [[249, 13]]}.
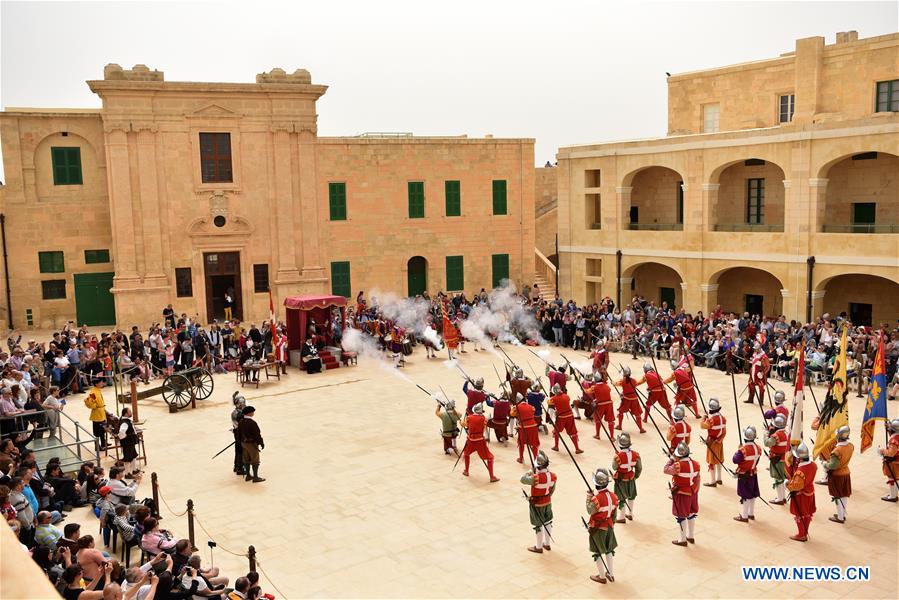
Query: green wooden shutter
{"points": [[500, 268], [453, 200], [416, 200], [455, 274], [337, 201], [51, 262], [499, 197], [66, 165], [96, 256], [340, 279]]}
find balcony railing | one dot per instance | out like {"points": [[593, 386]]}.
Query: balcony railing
{"points": [[751, 227], [860, 228], [655, 226]]}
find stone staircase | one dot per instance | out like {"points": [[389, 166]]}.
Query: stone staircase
{"points": [[545, 288]]}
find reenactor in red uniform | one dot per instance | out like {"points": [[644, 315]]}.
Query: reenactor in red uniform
{"points": [[603, 408], [679, 431], [686, 392], [630, 403], [556, 377], [747, 459], [600, 358], [684, 473], [778, 443], [543, 484], [586, 401], [475, 423], [801, 471], [527, 427], [890, 463], [716, 425], [626, 469], [758, 375], [564, 418], [602, 506], [499, 420], [839, 480], [779, 408], [449, 430], [475, 393], [656, 391]]}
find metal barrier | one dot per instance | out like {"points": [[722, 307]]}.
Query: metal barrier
{"points": [[74, 444]]}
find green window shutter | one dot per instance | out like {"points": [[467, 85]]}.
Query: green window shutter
{"points": [[453, 200], [499, 197], [51, 262], [500, 268], [340, 279], [455, 274], [416, 199], [337, 201], [66, 165], [92, 257]]}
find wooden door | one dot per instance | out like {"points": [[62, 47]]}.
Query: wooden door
{"points": [[222, 272]]}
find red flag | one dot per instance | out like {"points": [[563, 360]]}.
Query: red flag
{"points": [[450, 333], [271, 310]]}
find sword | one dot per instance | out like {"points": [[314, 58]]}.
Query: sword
{"points": [[225, 448]]}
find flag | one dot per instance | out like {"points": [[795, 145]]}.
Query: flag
{"points": [[835, 408], [450, 333], [798, 398], [271, 311], [876, 406]]}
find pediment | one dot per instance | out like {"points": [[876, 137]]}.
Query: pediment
{"points": [[234, 226], [213, 109]]}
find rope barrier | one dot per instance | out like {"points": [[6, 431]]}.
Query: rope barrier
{"points": [[267, 578], [218, 545], [161, 497]]}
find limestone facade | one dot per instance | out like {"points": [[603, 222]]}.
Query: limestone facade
{"points": [[736, 216], [182, 214]]}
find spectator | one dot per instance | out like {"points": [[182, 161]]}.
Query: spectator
{"points": [[156, 540], [46, 534]]}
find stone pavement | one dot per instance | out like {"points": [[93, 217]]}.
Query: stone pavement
{"points": [[360, 501]]}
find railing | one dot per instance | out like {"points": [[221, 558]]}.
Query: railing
{"points": [[73, 443], [751, 227], [655, 226], [860, 228], [544, 268]]}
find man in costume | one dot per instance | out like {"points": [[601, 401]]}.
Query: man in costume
{"points": [[602, 508], [557, 376], [778, 442], [586, 400], [527, 426], [716, 425], [310, 358], [475, 423], [656, 390], [890, 462], [543, 484], [630, 403], [449, 421], [561, 403], [474, 393], [600, 358], [686, 392], [758, 375], [499, 421], [801, 471], [839, 480], [603, 408], [679, 431], [626, 468], [535, 399], [684, 473], [779, 408], [236, 415], [251, 441], [747, 458], [128, 439]]}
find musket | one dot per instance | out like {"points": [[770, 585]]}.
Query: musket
{"points": [[587, 527], [693, 377], [433, 396], [656, 367], [502, 382], [577, 372], [464, 374], [506, 355], [225, 448]]}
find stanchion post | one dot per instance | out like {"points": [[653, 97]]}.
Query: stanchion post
{"points": [[251, 554], [134, 416], [190, 523], [154, 481]]}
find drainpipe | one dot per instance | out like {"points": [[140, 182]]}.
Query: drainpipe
{"points": [[558, 264], [618, 278], [808, 303], [6, 269]]}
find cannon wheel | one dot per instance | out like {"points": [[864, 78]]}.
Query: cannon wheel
{"points": [[176, 390], [204, 384]]}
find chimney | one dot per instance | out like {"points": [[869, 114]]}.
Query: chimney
{"points": [[844, 37]]}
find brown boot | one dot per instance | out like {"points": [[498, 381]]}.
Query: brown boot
{"points": [[535, 549], [597, 579]]}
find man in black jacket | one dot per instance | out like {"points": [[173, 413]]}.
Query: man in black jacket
{"points": [[251, 441]]}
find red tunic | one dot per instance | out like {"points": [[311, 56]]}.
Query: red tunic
{"points": [[602, 394], [476, 441], [783, 444], [605, 502], [527, 425], [679, 432], [475, 396], [751, 454], [685, 487], [656, 389], [717, 426], [564, 416], [686, 393], [542, 488], [629, 401], [802, 500], [627, 464], [557, 377], [600, 359]]}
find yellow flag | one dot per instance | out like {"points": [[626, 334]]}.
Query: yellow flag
{"points": [[835, 409]]}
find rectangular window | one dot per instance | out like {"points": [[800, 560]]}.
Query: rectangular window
{"points": [[453, 199], [92, 257], [787, 104], [416, 199], [184, 286], [66, 166], [860, 313], [51, 262], [215, 157], [711, 114], [887, 96], [635, 214], [54, 289], [499, 197], [500, 268], [680, 203], [340, 278], [592, 178], [455, 274], [260, 278], [337, 201], [755, 201]]}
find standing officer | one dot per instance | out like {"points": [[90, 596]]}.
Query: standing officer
{"points": [[236, 415], [251, 440]]}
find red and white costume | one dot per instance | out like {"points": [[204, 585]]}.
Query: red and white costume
{"points": [[679, 431], [686, 392], [604, 407], [476, 443], [758, 376], [564, 420], [527, 428], [630, 403], [656, 393]]}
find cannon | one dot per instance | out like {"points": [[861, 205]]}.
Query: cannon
{"points": [[178, 389]]}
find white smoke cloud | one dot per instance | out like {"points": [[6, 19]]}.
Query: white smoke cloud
{"points": [[366, 347], [409, 313]]}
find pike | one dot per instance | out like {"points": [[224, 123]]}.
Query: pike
{"points": [[656, 367], [693, 377], [464, 374], [506, 355], [577, 372], [502, 382], [733, 383], [649, 413]]}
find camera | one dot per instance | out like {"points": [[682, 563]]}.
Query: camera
{"points": [[211, 544]]}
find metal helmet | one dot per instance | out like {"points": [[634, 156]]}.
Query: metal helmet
{"points": [[801, 451], [478, 409], [557, 389], [647, 368], [757, 346], [678, 412], [626, 371], [779, 397], [780, 422], [479, 383], [843, 433], [517, 373], [238, 400], [588, 377], [749, 433], [894, 425], [541, 460], [714, 405], [535, 387], [450, 404], [682, 450], [624, 440], [601, 479], [518, 398], [673, 364]]}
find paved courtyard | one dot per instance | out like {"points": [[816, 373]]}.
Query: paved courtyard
{"points": [[360, 501]]}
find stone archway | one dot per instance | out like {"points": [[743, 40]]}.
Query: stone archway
{"points": [[656, 282], [656, 200], [417, 275], [865, 299], [747, 289], [862, 194], [750, 196]]}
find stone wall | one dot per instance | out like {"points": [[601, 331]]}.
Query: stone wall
{"points": [[546, 202]]}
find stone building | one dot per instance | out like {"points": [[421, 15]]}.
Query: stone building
{"points": [[174, 192], [775, 191]]}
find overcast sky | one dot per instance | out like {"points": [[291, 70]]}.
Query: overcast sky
{"points": [[563, 72]]}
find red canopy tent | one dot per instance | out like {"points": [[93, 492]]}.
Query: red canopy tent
{"points": [[302, 309]]}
